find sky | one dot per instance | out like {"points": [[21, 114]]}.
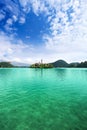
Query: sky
{"points": [[31, 30]]}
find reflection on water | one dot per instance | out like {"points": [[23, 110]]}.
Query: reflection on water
{"points": [[5, 72], [43, 99], [39, 70], [61, 73]]}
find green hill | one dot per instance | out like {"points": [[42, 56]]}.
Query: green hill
{"points": [[6, 65], [60, 63]]}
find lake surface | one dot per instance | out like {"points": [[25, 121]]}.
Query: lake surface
{"points": [[43, 99]]}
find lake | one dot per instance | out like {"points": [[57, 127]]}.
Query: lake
{"points": [[43, 99]]}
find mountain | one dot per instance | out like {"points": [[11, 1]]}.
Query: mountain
{"points": [[6, 65], [60, 63]]}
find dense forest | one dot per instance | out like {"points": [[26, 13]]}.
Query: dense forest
{"points": [[82, 64]]}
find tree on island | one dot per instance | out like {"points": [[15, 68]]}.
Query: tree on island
{"points": [[37, 65], [41, 65]]}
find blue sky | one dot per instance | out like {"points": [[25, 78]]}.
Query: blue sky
{"points": [[31, 30]]}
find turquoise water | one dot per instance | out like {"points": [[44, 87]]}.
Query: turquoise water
{"points": [[43, 99]]}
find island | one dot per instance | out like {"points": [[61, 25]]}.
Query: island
{"points": [[37, 65]]}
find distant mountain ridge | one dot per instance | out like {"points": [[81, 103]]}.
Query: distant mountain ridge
{"points": [[62, 63], [5, 64], [58, 63]]}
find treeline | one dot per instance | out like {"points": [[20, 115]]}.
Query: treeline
{"points": [[78, 65], [82, 65]]}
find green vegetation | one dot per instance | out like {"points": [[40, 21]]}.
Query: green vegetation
{"points": [[60, 63], [78, 65], [82, 65], [37, 65], [6, 65]]}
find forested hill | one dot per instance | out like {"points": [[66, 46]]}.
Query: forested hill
{"points": [[60, 63], [6, 65]]}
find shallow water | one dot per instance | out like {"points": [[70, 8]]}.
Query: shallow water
{"points": [[43, 99]]}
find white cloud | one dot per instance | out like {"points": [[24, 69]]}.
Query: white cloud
{"points": [[9, 21], [15, 18], [27, 37], [17, 51], [2, 16], [20, 52], [22, 20], [37, 6], [12, 7], [16, 13], [24, 2], [71, 42], [68, 31], [8, 25], [13, 52]]}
